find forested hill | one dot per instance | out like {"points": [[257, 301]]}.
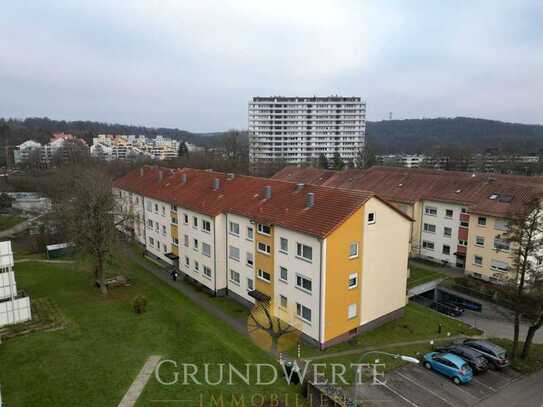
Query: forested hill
{"points": [[389, 136], [474, 135]]}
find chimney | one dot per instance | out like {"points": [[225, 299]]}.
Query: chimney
{"points": [[141, 172], [267, 192], [299, 186], [183, 178], [216, 184], [160, 175], [310, 199]]}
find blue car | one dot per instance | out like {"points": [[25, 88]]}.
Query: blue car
{"points": [[449, 365]]}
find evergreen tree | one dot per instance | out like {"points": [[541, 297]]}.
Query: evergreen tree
{"points": [[323, 161], [183, 150], [337, 162]]}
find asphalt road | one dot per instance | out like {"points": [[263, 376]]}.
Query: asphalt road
{"points": [[526, 392]]}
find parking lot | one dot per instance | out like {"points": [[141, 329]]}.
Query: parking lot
{"points": [[414, 386]]}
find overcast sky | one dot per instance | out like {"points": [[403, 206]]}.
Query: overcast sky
{"points": [[195, 64]]}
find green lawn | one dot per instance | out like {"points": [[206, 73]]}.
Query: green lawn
{"points": [[8, 221], [94, 360], [422, 273], [418, 323]]}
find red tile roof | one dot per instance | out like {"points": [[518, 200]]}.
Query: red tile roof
{"points": [[244, 195], [409, 185]]}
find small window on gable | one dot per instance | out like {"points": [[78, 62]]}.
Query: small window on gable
{"points": [[371, 218]]}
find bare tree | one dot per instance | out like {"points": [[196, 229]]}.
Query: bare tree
{"points": [[265, 325], [525, 237], [90, 215]]}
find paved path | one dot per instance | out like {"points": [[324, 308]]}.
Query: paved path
{"points": [[139, 383], [18, 228], [383, 347], [527, 392], [497, 327]]}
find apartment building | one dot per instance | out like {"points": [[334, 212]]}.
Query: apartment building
{"points": [[460, 218], [331, 262], [125, 147], [300, 129], [58, 147], [14, 306]]}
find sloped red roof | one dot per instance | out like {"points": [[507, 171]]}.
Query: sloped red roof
{"points": [[474, 190], [244, 195]]}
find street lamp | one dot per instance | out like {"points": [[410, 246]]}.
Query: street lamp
{"points": [[405, 358]]}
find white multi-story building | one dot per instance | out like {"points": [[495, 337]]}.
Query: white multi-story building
{"points": [[123, 147], [14, 307], [300, 129]]}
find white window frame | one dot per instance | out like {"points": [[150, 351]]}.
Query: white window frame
{"points": [[267, 248], [353, 256], [352, 276], [300, 313], [206, 226], [204, 245], [232, 279], [230, 255], [252, 263], [260, 275], [250, 233], [372, 218], [284, 280], [425, 245], [261, 226], [281, 249], [281, 298], [352, 311], [299, 283], [428, 210], [300, 252], [475, 263], [231, 228]]}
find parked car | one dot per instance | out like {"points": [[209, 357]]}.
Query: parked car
{"points": [[494, 354], [477, 362], [449, 365], [448, 308]]}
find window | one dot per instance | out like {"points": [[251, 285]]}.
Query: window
{"points": [[149, 206], [187, 261], [156, 208], [186, 240], [462, 242], [499, 265], [206, 249], [207, 272], [195, 244], [430, 210], [464, 210], [449, 213], [174, 220], [303, 283], [150, 223], [250, 260], [206, 226], [175, 241], [250, 233], [353, 280], [263, 275], [429, 228], [351, 312], [446, 250], [233, 253], [250, 284], [151, 241], [157, 227], [163, 230], [264, 229], [428, 245], [165, 248], [464, 224], [479, 240], [371, 218], [284, 245], [303, 312], [502, 224], [478, 260], [163, 210], [283, 302], [234, 228], [196, 266], [353, 250], [194, 222], [264, 248], [481, 221], [186, 219], [283, 274], [447, 231], [304, 251], [234, 277], [501, 244]]}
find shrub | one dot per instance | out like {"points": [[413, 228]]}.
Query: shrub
{"points": [[139, 304]]}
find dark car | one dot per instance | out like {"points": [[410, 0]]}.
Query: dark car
{"points": [[477, 362], [494, 354], [448, 308]]}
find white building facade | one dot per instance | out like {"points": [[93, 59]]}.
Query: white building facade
{"points": [[300, 129]]}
